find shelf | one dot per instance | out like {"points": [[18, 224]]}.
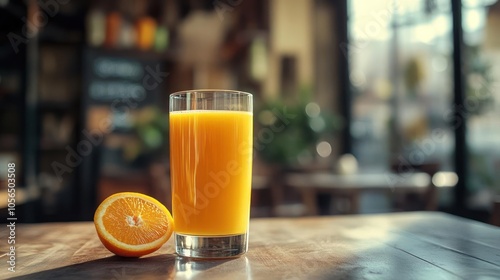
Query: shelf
{"points": [[9, 104], [10, 97], [51, 41], [56, 105], [67, 26], [168, 55], [9, 142], [52, 147]]}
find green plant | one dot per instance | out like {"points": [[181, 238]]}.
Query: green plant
{"points": [[150, 129], [479, 82], [283, 142]]}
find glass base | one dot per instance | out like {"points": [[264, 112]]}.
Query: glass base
{"points": [[226, 246]]}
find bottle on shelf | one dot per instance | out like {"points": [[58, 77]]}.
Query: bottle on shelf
{"points": [[113, 26], [96, 27], [146, 32]]}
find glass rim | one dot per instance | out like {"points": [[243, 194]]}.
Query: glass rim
{"points": [[183, 93]]}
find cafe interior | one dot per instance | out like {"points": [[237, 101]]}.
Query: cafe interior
{"points": [[360, 107]]}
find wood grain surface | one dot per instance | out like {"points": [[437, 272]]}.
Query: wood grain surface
{"points": [[418, 245]]}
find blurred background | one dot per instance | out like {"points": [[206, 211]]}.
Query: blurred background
{"points": [[360, 106]]}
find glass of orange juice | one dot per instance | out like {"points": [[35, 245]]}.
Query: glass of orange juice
{"points": [[211, 171]]}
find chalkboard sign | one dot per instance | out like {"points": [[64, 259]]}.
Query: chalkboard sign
{"points": [[118, 88], [119, 83]]}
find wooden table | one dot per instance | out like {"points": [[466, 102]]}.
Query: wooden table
{"points": [[418, 245], [351, 186]]}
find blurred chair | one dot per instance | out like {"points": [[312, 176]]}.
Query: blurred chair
{"points": [[271, 196], [495, 215], [284, 203], [261, 198], [415, 201]]}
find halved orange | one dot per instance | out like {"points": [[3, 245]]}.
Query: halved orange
{"points": [[133, 224]]}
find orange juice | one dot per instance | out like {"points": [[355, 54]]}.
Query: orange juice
{"points": [[211, 170]]}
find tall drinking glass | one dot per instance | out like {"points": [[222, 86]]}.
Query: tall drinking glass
{"points": [[211, 171]]}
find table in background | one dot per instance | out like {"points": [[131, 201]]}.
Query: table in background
{"points": [[351, 186], [417, 245]]}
